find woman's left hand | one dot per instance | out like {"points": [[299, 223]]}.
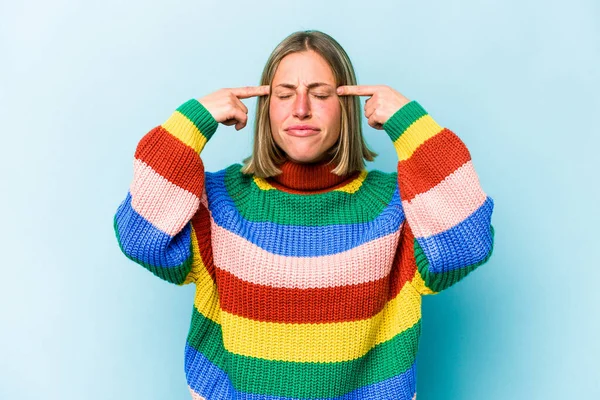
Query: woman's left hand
{"points": [[383, 103]]}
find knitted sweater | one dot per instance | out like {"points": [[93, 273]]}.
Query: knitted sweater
{"points": [[307, 285]]}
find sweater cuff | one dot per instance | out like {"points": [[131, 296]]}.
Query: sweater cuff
{"points": [[397, 124], [200, 117]]}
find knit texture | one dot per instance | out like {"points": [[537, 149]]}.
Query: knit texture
{"points": [[308, 284]]}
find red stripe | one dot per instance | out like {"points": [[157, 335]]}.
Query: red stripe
{"points": [[201, 225], [172, 159], [292, 305], [434, 160], [316, 305], [404, 267]]}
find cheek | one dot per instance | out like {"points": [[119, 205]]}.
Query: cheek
{"points": [[329, 112], [278, 113]]}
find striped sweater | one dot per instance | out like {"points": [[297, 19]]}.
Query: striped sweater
{"points": [[307, 285]]}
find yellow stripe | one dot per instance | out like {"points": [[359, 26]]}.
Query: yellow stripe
{"points": [[183, 129], [350, 187], [420, 285], [353, 186], [206, 299], [263, 184], [415, 135], [323, 342]]}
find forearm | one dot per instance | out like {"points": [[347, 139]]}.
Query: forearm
{"points": [[448, 212], [152, 224]]}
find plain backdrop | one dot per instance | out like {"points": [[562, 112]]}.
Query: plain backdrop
{"points": [[83, 81]]}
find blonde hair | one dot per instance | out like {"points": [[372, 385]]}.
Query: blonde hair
{"points": [[350, 151]]}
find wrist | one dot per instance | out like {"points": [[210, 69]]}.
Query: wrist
{"points": [[200, 117], [399, 122]]}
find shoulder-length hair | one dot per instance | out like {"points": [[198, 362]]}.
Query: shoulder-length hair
{"points": [[350, 151]]}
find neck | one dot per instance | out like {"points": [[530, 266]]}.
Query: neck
{"points": [[311, 177]]}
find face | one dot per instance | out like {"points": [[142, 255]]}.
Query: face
{"points": [[304, 109]]}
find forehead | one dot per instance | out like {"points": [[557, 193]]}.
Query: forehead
{"points": [[303, 68]]}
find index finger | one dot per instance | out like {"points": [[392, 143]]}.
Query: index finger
{"points": [[250, 91], [357, 90]]}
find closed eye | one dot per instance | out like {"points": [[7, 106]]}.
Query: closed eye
{"points": [[321, 97]]}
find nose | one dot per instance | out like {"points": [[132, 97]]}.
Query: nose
{"points": [[301, 106]]}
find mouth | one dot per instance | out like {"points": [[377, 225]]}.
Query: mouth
{"points": [[302, 131]]}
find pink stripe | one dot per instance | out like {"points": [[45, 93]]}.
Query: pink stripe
{"points": [[365, 263], [445, 205], [195, 396], [162, 203]]}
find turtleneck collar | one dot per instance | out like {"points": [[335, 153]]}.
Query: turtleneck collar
{"points": [[311, 177]]}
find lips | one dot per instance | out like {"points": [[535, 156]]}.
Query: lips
{"points": [[302, 130]]}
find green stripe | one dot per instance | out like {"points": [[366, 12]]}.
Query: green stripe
{"points": [[320, 209], [443, 280], [304, 379], [200, 116], [402, 119], [174, 275]]}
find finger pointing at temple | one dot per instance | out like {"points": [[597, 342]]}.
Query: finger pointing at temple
{"points": [[357, 90], [383, 103], [251, 91]]}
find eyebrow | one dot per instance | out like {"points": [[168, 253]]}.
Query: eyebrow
{"points": [[310, 85]]}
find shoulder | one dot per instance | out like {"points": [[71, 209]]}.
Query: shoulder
{"points": [[381, 186], [227, 176], [233, 169], [381, 178]]}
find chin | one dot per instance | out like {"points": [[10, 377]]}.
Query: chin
{"points": [[304, 158]]}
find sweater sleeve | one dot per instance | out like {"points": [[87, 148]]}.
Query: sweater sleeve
{"points": [[447, 231], [163, 223]]}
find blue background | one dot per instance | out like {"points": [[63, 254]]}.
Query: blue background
{"points": [[82, 82]]}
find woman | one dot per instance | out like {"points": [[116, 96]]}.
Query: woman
{"points": [[308, 268]]}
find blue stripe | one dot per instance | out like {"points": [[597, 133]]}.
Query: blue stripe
{"points": [[211, 382], [205, 378], [462, 245], [298, 240], [145, 243]]}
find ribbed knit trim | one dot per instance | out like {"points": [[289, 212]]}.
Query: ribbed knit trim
{"points": [[309, 177], [403, 118], [200, 116]]}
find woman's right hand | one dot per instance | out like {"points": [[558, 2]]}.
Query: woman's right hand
{"points": [[225, 105]]}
